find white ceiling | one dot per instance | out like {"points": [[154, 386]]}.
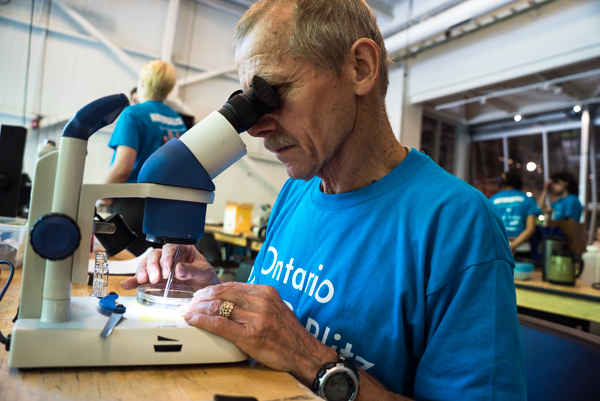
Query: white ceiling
{"points": [[543, 97]]}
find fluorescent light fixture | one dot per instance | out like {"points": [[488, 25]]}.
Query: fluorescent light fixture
{"points": [[577, 109], [518, 118], [531, 166]]}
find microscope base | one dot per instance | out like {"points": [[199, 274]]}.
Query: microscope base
{"points": [[144, 336]]}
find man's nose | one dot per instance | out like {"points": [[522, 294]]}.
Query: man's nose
{"points": [[263, 127]]}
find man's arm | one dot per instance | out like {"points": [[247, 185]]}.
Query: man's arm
{"points": [[473, 345], [122, 165], [524, 236], [541, 202]]}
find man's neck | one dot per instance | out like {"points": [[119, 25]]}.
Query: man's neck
{"points": [[369, 153]]}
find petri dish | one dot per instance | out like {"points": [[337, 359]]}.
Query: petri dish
{"points": [[153, 295]]}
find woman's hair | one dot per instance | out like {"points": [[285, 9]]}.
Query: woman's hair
{"points": [[512, 179], [324, 31], [159, 79], [572, 186]]}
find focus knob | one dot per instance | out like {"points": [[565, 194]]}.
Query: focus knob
{"points": [[55, 236]]}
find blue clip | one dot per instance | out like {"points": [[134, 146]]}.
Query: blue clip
{"points": [[109, 303]]}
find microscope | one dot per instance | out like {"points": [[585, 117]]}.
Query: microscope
{"points": [[53, 328]]}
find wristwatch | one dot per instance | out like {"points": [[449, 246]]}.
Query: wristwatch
{"points": [[337, 381]]}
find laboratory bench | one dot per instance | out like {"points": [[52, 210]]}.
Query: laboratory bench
{"points": [[572, 301], [180, 382]]}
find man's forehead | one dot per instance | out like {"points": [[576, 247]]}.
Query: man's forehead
{"points": [[263, 49]]}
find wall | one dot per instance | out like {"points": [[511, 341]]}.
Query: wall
{"points": [[68, 68], [558, 34]]}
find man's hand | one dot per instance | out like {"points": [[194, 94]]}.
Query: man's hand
{"points": [[262, 325], [192, 269]]}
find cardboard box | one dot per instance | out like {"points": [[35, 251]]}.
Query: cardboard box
{"points": [[238, 218]]}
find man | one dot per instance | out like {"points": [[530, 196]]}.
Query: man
{"points": [[564, 203], [371, 250]]}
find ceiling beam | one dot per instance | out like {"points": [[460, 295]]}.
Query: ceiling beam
{"points": [[519, 89], [202, 76], [227, 7], [540, 109], [244, 3], [569, 88], [596, 92], [95, 32], [496, 103], [381, 8]]}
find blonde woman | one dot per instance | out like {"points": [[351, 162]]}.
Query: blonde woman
{"points": [[140, 131]]}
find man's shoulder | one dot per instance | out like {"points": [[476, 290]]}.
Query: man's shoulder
{"points": [[445, 190]]}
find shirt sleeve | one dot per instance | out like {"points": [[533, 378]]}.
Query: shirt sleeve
{"points": [[572, 208], [127, 131], [473, 349]]}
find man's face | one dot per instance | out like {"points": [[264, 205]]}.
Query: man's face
{"points": [[318, 109], [559, 186]]}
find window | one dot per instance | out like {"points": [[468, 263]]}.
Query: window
{"points": [[437, 142], [428, 136], [564, 150], [487, 165], [446, 155], [526, 157]]}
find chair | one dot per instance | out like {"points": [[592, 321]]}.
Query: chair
{"points": [[211, 250], [243, 271], [561, 363]]}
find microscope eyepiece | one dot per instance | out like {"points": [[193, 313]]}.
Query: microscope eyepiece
{"points": [[244, 109]]}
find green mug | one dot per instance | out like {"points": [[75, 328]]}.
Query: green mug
{"points": [[564, 268]]}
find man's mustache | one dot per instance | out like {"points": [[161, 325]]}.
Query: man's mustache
{"points": [[277, 141]]}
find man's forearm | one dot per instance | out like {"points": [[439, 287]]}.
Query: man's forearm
{"points": [[542, 199], [307, 368], [372, 390]]}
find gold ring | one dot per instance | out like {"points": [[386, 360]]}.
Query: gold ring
{"points": [[226, 308]]}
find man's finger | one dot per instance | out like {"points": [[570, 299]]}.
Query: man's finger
{"points": [[166, 259], [187, 271], [218, 325], [230, 291], [152, 265], [130, 284]]}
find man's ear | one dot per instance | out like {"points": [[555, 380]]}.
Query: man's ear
{"points": [[365, 58]]}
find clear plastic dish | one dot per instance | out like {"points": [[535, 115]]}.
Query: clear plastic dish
{"points": [[153, 295]]}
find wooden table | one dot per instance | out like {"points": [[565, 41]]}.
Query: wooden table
{"points": [[177, 383], [248, 240], [578, 302]]}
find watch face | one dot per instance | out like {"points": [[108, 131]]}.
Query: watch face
{"points": [[338, 387]]}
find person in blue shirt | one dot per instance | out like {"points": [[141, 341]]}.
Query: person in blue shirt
{"points": [[518, 211], [373, 252], [562, 190], [141, 129]]}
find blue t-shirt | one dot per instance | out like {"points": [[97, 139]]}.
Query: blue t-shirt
{"points": [[410, 277], [514, 207], [567, 207], [143, 127]]}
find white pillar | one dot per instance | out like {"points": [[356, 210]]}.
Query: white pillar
{"points": [[462, 142], [394, 98], [583, 160], [405, 118], [169, 40]]}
